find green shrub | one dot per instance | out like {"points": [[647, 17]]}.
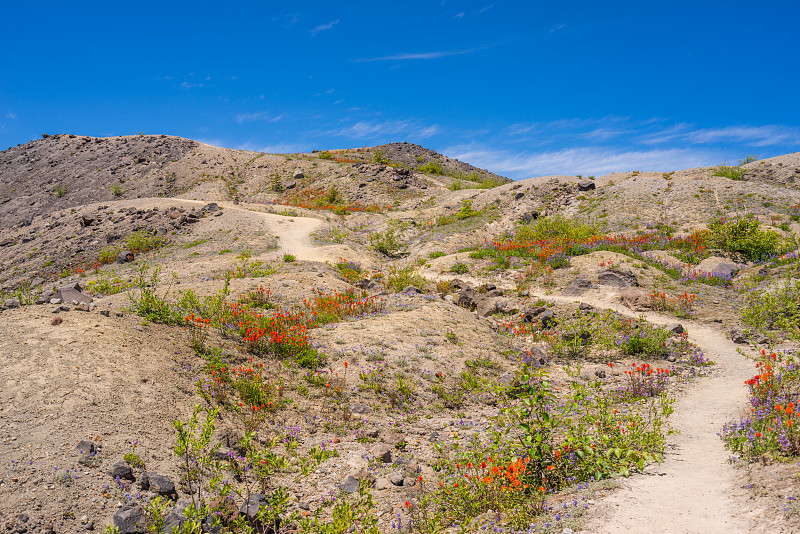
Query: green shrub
{"points": [[556, 227], [117, 190], [140, 241], [60, 191], [400, 278], [380, 157], [288, 258], [744, 236], [459, 268], [148, 303], [456, 186], [325, 155], [436, 254], [644, 339], [776, 308], [734, 172], [386, 243], [432, 167]]}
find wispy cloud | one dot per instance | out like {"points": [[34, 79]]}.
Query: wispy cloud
{"points": [[257, 116], [324, 27], [459, 15], [756, 136], [556, 27], [582, 160], [11, 116], [485, 8], [380, 130], [418, 55], [189, 85]]}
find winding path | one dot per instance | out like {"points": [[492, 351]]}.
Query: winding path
{"points": [[693, 490]]}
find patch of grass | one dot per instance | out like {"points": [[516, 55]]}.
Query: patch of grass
{"points": [[141, 241], [117, 190], [387, 243], [195, 243], [400, 278], [60, 191], [379, 157], [432, 167], [436, 254], [325, 155], [288, 258], [459, 268]]}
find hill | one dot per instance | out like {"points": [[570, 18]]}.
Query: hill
{"points": [[386, 317]]}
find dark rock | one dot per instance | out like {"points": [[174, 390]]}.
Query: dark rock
{"points": [[583, 306], [760, 338], [87, 220], [600, 373], [519, 196], [577, 287], [382, 452], [547, 319], [675, 328], [85, 447], [585, 185], [45, 297], [617, 278], [11, 303], [349, 484], [176, 517], [121, 470], [210, 208], [250, 509], [396, 479], [466, 298], [162, 485], [365, 283], [73, 293], [125, 256], [130, 519], [411, 290], [530, 216]]}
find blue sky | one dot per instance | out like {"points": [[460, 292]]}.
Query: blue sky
{"points": [[521, 88]]}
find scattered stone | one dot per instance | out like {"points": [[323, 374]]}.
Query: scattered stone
{"points": [[600, 373], [372, 433], [382, 452], [366, 283], [105, 313], [298, 175], [635, 299], [577, 287], [121, 470], [161, 485], [396, 479], [411, 290], [130, 519], [85, 447], [382, 484], [125, 256], [617, 278], [56, 321], [349, 484], [547, 319], [718, 266], [738, 336], [585, 185], [675, 328], [584, 306], [409, 482], [360, 408], [11, 303], [73, 293]]}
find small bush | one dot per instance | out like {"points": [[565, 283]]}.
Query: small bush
{"points": [[325, 155], [380, 157], [730, 171], [288, 258], [141, 241], [459, 268], [436, 254], [402, 277], [432, 167], [117, 190], [777, 308], [60, 191], [744, 236], [386, 243]]}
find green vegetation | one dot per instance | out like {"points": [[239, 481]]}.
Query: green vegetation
{"points": [[432, 167], [744, 236], [325, 155], [380, 157], [387, 243], [60, 191]]}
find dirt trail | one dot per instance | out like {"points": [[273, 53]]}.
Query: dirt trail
{"points": [[694, 490]]}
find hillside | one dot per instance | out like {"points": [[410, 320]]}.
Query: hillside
{"points": [[392, 319]]}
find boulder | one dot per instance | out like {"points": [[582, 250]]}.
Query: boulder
{"points": [[577, 287], [72, 293], [585, 185], [250, 508], [466, 298], [298, 175], [530, 216], [718, 266], [738, 336], [547, 319], [161, 485], [349, 484], [617, 278], [125, 256], [11, 303], [382, 452], [635, 299], [411, 290], [121, 470], [176, 517], [396, 479], [130, 519], [675, 328]]}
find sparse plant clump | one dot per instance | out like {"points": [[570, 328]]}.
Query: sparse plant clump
{"points": [[325, 155], [387, 243], [380, 157], [117, 190], [140, 242], [459, 268], [777, 308], [289, 258], [744, 236], [400, 278], [432, 167], [60, 191]]}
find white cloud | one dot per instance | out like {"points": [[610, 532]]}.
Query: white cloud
{"points": [[768, 135], [374, 130], [582, 160], [257, 116], [418, 55], [187, 85], [11, 116], [324, 27], [459, 15], [556, 27]]}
